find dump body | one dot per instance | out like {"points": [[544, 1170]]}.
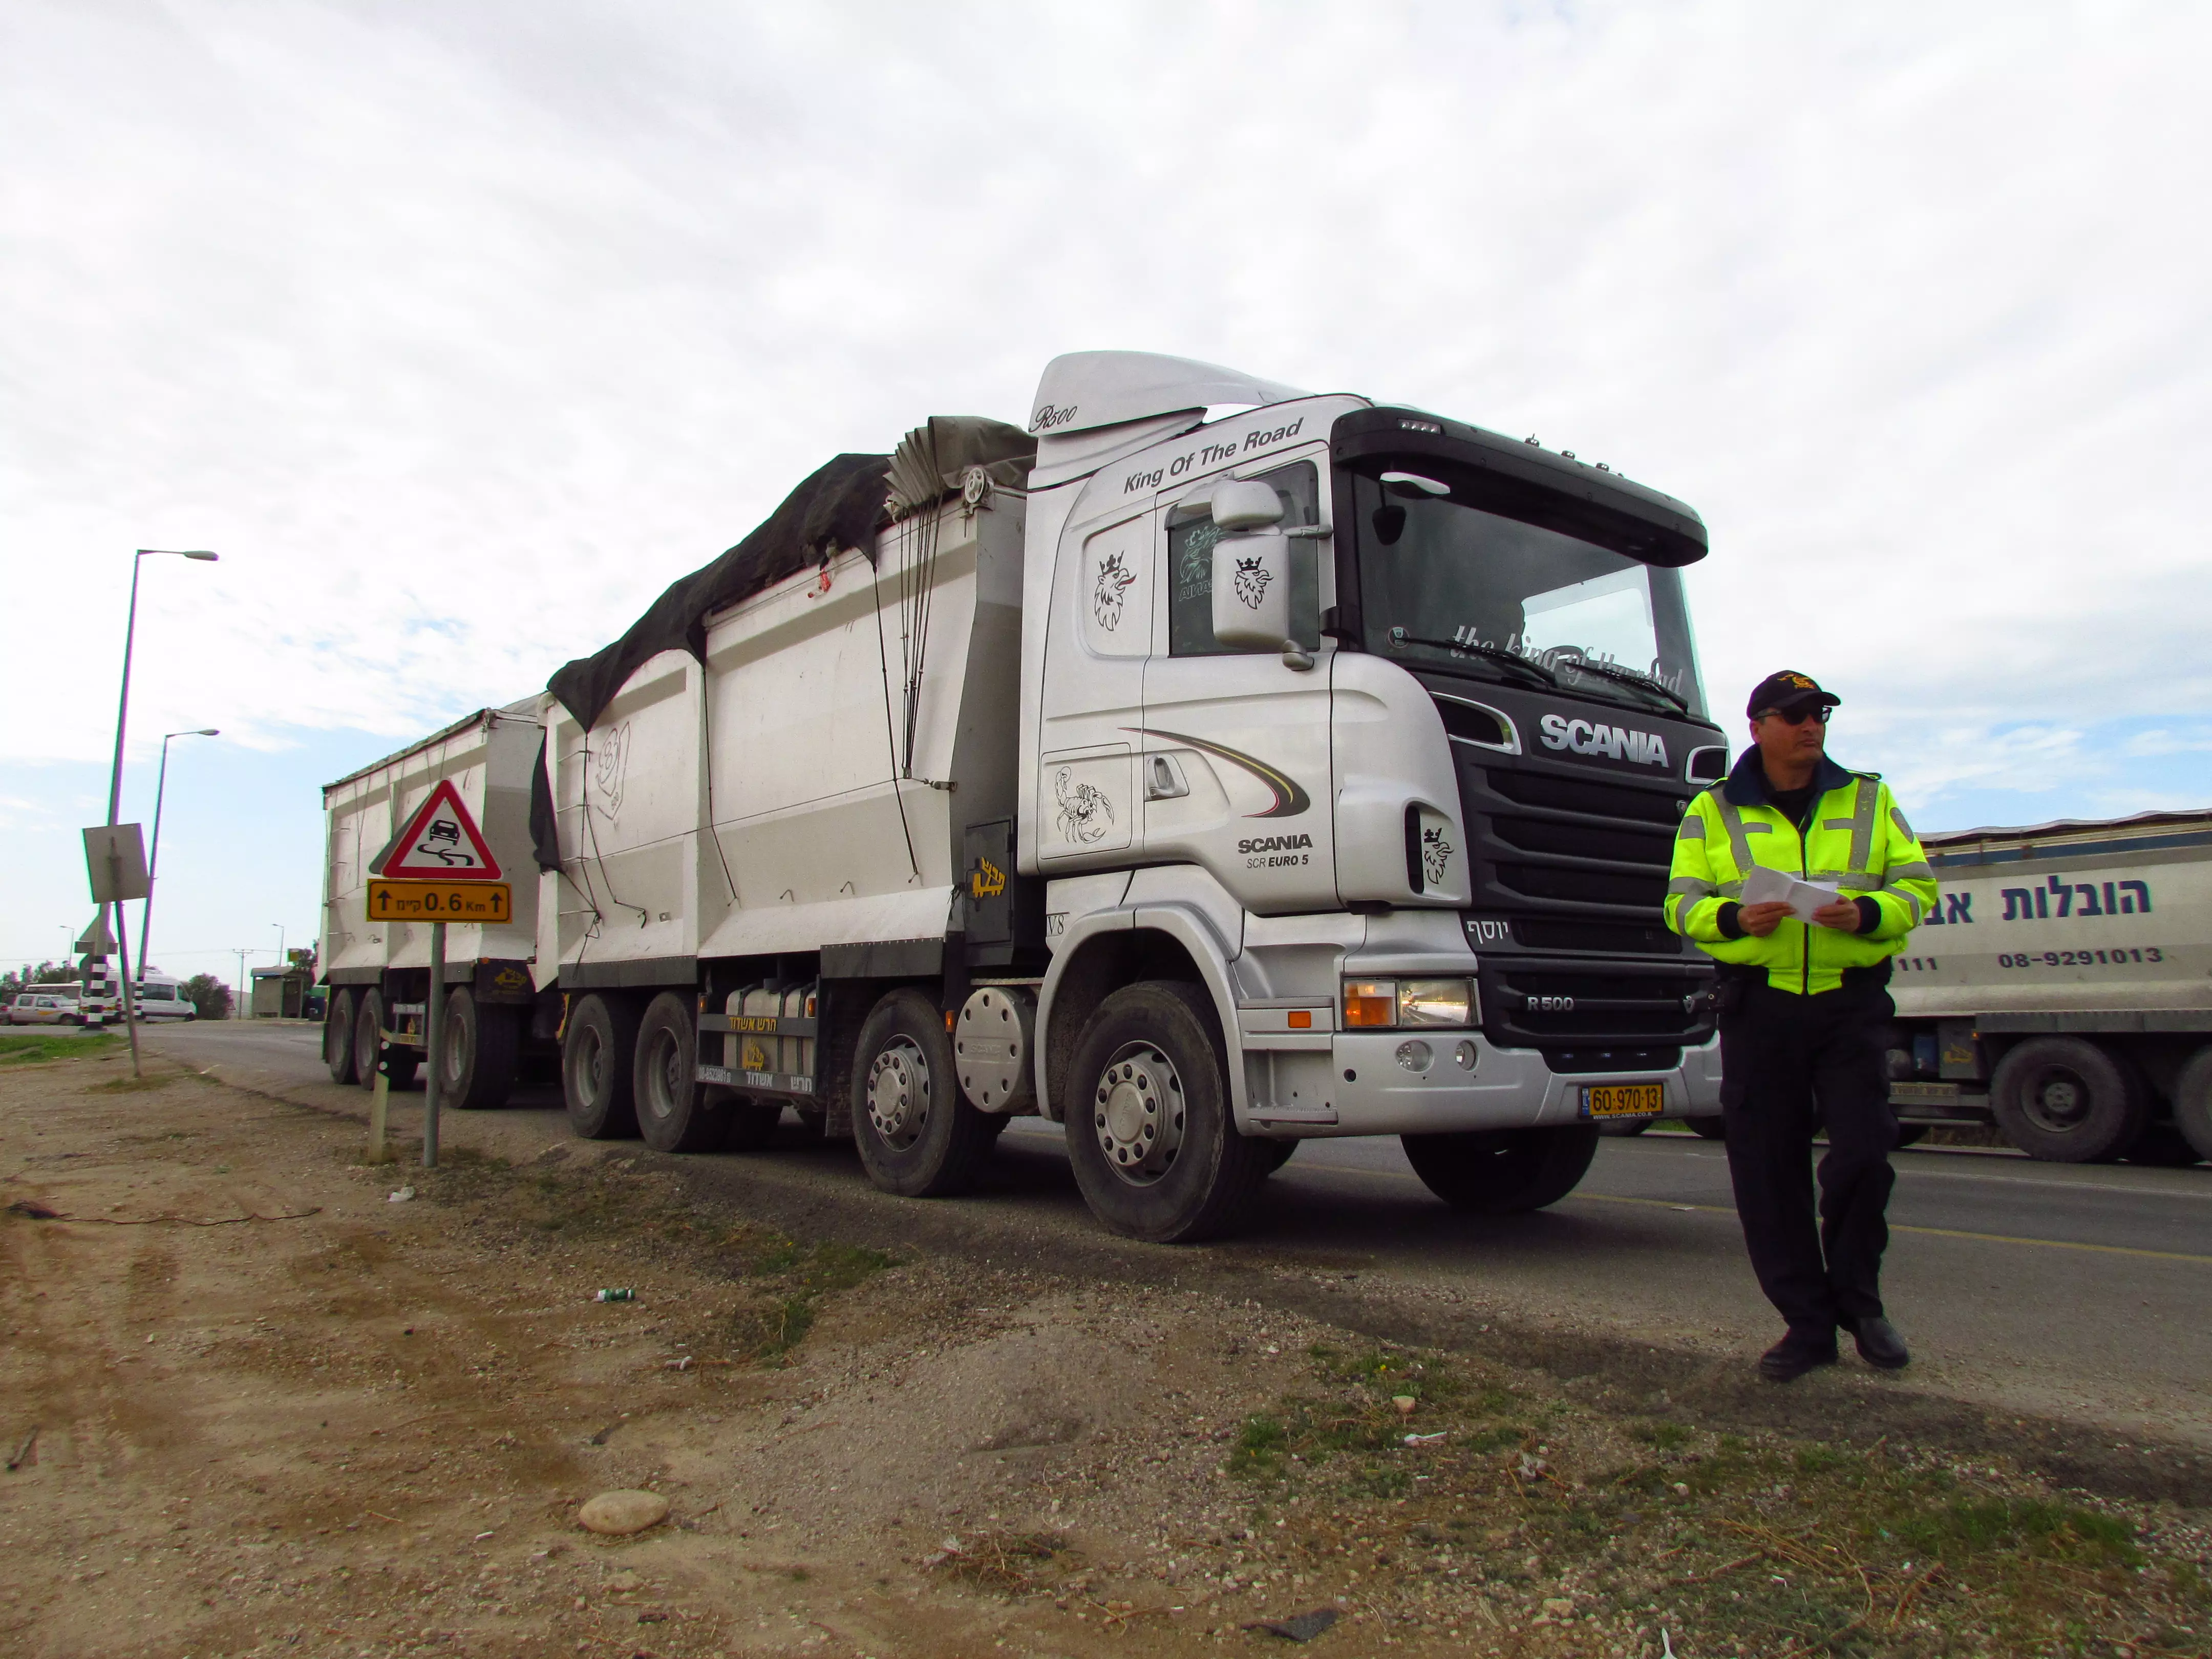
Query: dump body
{"points": [[488, 757]]}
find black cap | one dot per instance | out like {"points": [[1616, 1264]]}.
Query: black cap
{"points": [[1787, 689]]}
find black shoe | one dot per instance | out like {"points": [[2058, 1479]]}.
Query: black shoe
{"points": [[1879, 1344], [1794, 1355]]}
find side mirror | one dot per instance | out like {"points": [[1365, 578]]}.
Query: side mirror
{"points": [[1252, 589], [1245, 504]]}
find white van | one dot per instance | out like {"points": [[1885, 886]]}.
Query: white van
{"points": [[45, 1005], [161, 997]]}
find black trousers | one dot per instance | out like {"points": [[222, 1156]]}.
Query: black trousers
{"points": [[1791, 1065]]}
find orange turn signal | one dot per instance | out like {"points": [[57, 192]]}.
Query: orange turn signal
{"points": [[1371, 1003], [1301, 1019]]}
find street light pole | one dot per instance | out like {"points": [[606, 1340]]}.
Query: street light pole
{"points": [[115, 775], [153, 854]]}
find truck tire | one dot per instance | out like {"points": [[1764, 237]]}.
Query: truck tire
{"points": [[917, 1134], [1273, 1154], [337, 1040], [2065, 1100], [1149, 1129], [675, 1113], [1502, 1171], [368, 1037], [477, 1071], [2192, 1101], [597, 1058]]}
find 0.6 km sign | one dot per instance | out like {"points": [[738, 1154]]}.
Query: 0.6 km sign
{"points": [[489, 902]]}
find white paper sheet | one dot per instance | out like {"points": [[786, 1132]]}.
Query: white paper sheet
{"points": [[1763, 887]]}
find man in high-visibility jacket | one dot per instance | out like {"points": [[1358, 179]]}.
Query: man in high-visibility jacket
{"points": [[1803, 1005]]}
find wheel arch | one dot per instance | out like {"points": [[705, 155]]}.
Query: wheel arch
{"points": [[1102, 953]]}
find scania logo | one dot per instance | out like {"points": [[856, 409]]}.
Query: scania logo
{"points": [[1275, 844], [1588, 737]]}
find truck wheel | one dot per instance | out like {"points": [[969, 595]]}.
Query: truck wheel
{"points": [[2067, 1101], [752, 1122], [478, 1067], [596, 1064], [918, 1135], [1149, 1131], [1502, 1171], [2192, 1101], [337, 1039], [1273, 1154], [368, 1024], [1712, 1128], [674, 1112]]}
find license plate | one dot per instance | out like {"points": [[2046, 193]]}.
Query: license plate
{"points": [[1624, 1100]]}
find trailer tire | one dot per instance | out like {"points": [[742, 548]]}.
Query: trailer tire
{"points": [[476, 1071], [675, 1111], [2065, 1100], [597, 1060], [2192, 1101], [1502, 1171], [337, 1040], [368, 1041], [1151, 1133], [918, 1134]]}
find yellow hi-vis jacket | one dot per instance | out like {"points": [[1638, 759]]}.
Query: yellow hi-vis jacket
{"points": [[1855, 840]]}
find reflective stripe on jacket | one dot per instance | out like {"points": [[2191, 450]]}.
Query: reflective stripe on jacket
{"points": [[1857, 841]]}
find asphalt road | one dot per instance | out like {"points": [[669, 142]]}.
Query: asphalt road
{"points": [[2071, 1291]]}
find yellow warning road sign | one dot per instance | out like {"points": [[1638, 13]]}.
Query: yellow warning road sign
{"points": [[488, 901]]}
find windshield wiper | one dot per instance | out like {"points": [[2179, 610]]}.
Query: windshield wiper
{"points": [[1630, 676], [1497, 653]]}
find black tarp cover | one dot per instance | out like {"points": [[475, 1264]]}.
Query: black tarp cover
{"points": [[841, 506]]}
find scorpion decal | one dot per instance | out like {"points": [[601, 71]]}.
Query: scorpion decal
{"points": [[1085, 811]]}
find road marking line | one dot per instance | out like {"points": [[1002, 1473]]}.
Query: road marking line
{"points": [[1931, 1232]]}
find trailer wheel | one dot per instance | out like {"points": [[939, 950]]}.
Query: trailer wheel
{"points": [[476, 1070], [675, 1113], [368, 1037], [2067, 1101], [596, 1064], [1502, 1171], [918, 1134], [2192, 1101], [1150, 1130], [337, 1039]]}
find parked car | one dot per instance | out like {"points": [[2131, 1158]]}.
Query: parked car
{"points": [[45, 1005]]}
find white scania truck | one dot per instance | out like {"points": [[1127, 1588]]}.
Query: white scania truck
{"points": [[1202, 785]]}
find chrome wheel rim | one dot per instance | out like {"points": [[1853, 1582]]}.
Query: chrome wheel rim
{"points": [[1138, 1114], [899, 1091]]}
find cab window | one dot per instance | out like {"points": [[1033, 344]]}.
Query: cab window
{"points": [[1191, 537]]}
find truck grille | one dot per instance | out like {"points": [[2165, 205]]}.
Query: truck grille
{"points": [[1573, 1010]]}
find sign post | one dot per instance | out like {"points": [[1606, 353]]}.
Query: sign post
{"points": [[437, 869], [115, 859]]}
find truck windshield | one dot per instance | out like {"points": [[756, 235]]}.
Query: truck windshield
{"points": [[1443, 581]]}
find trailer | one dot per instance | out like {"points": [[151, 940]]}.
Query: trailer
{"points": [[378, 973], [2062, 989], [1202, 785]]}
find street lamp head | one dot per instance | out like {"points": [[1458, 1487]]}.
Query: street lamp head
{"points": [[181, 553], [208, 558], [208, 732]]}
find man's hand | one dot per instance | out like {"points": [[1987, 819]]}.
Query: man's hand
{"points": [[1843, 915], [1760, 919]]}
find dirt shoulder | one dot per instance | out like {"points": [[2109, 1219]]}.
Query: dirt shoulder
{"points": [[276, 1411]]}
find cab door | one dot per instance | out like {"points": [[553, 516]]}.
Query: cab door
{"points": [[1233, 757], [1096, 640]]}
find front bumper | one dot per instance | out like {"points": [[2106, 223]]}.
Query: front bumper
{"points": [[1369, 1093]]}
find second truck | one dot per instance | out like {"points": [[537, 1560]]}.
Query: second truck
{"points": [[1203, 785]]}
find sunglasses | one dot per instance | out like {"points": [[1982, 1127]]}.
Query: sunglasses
{"points": [[1818, 711]]}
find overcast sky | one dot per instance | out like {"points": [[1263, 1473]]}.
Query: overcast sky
{"points": [[460, 329]]}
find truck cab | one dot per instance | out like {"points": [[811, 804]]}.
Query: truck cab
{"points": [[1383, 724]]}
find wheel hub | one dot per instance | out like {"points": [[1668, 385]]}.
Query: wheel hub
{"points": [[2058, 1103], [899, 1093], [1137, 1113]]}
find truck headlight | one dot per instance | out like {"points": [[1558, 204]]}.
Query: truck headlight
{"points": [[1371, 1003], [1384, 1005], [1435, 1002]]}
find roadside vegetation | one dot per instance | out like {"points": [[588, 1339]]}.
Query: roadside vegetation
{"points": [[27, 1048]]}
